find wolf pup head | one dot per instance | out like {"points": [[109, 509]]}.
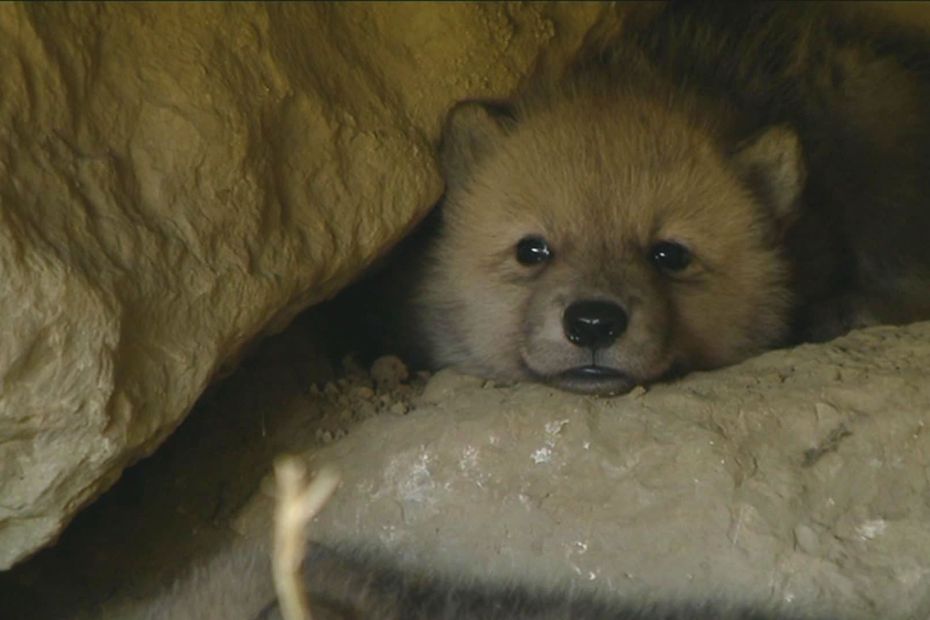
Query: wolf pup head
{"points": [[599, 241]]}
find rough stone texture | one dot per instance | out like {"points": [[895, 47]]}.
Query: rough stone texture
{"points": [[799, 477], [178, 180]]}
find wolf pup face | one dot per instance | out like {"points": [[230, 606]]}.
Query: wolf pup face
{"points": [[600, 242]]}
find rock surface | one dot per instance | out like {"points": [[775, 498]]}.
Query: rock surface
{"points": [[799, 478], [176, 181]]}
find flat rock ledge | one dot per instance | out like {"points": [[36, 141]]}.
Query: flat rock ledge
{"points": [[799, 478]]}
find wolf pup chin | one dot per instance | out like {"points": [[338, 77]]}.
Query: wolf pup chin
{"points": [[708, 182]]}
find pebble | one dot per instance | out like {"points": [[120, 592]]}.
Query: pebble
{"points": [[388, 372]]}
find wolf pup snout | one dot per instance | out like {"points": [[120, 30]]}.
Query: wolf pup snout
{"points": [[594, 324]]}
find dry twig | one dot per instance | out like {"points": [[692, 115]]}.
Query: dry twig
{"points": [[297, 503]]}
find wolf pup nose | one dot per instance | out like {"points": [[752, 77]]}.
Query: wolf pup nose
{"points": [[594, 324]]}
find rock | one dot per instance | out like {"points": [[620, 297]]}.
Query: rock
{"points": [[178, 181], [797, 478], [389, 371]]}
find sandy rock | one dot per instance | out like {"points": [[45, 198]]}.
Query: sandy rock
{"points": [[389, 371], [176, 181], [798, 478]]}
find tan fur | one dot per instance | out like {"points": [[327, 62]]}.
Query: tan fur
{"points": [[603, 176]]}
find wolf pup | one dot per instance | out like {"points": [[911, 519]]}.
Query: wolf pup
{"points": [[709, 182]]}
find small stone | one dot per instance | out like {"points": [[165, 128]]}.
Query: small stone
{"points": [[403, 392], [399, 409], [389, 371], [363, 392], [807, 540]]}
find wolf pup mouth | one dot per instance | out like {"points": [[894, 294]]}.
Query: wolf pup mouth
{"points": [[593, 379]]}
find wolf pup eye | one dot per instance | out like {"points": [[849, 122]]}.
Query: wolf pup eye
{"points": [[670, 256], [533, 250]]}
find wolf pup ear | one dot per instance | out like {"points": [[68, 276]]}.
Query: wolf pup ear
{"points": [[471, 130], [772, 165]]}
